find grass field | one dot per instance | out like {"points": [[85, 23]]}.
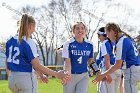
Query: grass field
{"points": [[54, 86]]}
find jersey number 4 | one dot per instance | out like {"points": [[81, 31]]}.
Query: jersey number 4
{"points": [[13, 58], [79, 60]]}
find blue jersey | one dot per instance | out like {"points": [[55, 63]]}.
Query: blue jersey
{"points": [[99, 60], [19, 56], [106, 48], [79, 53], [126, 50]]}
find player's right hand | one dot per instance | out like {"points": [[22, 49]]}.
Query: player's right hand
{"points": [[108, 79], [67, 78], [98, 78], [64, 76]]}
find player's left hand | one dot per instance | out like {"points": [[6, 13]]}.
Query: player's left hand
{"points": [[44, 78]]}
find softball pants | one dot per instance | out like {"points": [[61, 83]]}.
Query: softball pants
{"points": [[77, 84], [22, 82]]}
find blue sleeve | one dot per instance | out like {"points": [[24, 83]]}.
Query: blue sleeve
{"points": [[124, 49], [29, 53]]}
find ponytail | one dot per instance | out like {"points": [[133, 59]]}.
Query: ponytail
{"points": [[126, 34], [23, 31], [116, 29]]}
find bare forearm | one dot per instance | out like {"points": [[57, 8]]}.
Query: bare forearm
{"points": [[117, 65], [111, 70], [46, 70], [68, 66], [37, 66]]}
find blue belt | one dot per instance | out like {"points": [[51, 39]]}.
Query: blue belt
{"points": [[77, 72], [137, 64]]}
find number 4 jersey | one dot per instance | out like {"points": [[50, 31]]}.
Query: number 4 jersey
{"points": [[79, 53], [19, 56]]}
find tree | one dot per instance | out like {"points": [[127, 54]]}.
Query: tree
{"points": [[54, 21]]}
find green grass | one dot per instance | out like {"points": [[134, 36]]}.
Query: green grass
{"points": [[54, 86]]}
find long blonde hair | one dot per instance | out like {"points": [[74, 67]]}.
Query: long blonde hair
{"points": [[25, 21], [116, 29]]}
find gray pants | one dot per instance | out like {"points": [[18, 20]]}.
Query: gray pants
{"points": [[104, 87], [77, 84], [22, 82], [131, 78]]}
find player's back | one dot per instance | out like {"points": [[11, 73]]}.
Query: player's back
{"points": [[19, 55]]}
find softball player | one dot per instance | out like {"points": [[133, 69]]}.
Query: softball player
{"points": [[126, 54], [107, 58], [77, 52], [22, 56]]}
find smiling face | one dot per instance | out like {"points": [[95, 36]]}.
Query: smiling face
{"points": [[101, 37], [111, 35], [101, 34], [113, 31], [79, 30]]}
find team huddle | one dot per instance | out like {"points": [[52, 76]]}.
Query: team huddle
{"points": [[117, 56]]}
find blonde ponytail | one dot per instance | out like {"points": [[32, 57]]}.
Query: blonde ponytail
{"points": [[23, 31]]}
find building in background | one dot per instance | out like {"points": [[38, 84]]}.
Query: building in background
{"points": [[3, 75]]}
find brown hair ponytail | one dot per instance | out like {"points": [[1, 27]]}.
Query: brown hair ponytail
{"points": [[25, 21], [126, 34], [116, 28]]}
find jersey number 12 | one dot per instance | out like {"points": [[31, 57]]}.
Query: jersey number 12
{"points": [[13, 58]]}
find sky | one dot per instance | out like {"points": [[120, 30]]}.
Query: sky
{"points": [[8, 24]]}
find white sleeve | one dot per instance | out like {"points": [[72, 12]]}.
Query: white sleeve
{"points": [[119, 50], [103, 49], [65, 50], [33, 47]]}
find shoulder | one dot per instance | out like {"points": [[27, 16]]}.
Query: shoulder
{"points": [[89, 42], [105, 43], [69, 41], [11, 39], [123, 39], [30, 42]]}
